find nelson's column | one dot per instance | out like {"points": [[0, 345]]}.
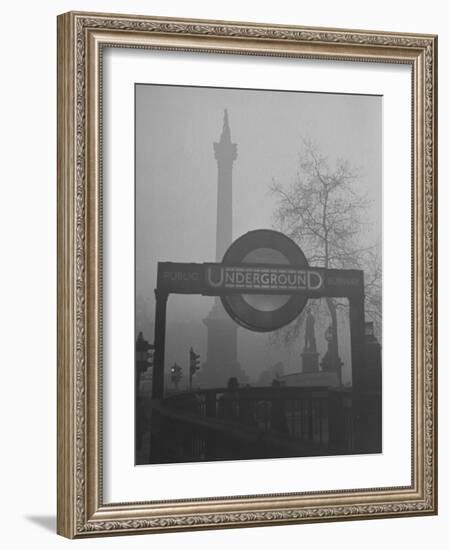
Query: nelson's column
{"points": [[221, 360]]}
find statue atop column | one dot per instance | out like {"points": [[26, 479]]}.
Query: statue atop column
{"points": [[331, 361], [221, 359]]}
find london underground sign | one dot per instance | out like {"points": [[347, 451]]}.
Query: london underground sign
{"points": [[264, 282], [262, 278], [268, 256], [212, 279]]}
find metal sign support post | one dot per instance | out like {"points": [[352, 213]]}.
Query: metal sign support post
{"points": [[158, 370], [357, 329], [159, 344]]}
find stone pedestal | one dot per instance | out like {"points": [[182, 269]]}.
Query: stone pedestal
{"points": [[309, 361], [221, 360], [332, 363]]}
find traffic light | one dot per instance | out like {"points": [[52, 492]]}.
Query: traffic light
{"points": [[149, 357], [144, 354], [144, 359], [176, 374], [194, 365], [194, 362]]}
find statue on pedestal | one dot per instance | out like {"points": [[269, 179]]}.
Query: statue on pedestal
{"points": [[331, 361], [309, 353]]}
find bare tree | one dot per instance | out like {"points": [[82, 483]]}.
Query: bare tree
{"points": [[324, 213]]}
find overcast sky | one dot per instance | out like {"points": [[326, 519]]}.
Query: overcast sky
{"points": [[176, 172]]}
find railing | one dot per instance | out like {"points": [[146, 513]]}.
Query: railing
{"points": [[262, 422]]}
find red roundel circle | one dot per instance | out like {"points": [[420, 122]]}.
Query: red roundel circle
{"points": [[264, 312]]}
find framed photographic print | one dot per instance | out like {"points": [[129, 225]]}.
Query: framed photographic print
{"points": [[246, 274]]}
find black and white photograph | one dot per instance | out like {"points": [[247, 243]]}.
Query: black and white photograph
{"points": [[223, 237], [258, 274]]}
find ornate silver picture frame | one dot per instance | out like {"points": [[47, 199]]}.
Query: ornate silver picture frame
{"points": [[102, 59]]}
